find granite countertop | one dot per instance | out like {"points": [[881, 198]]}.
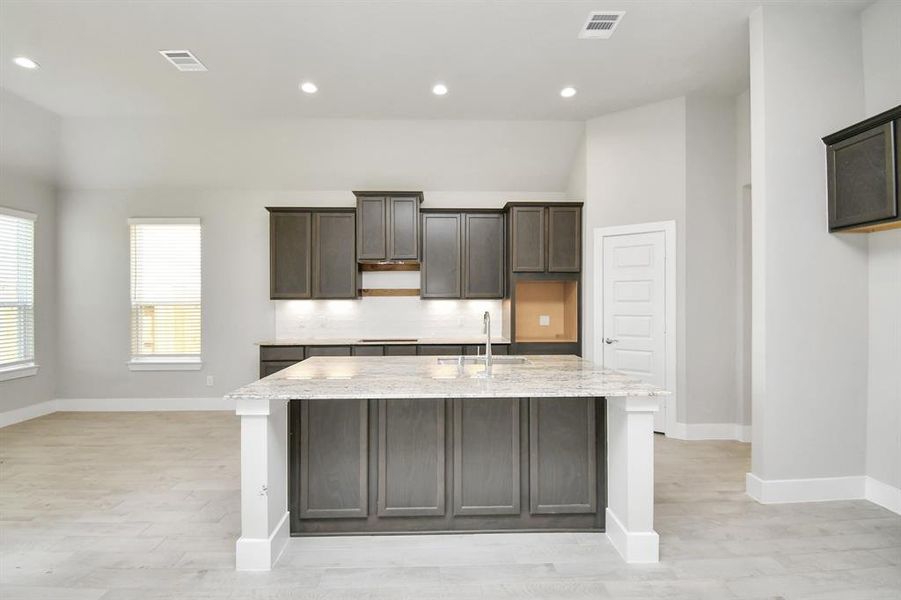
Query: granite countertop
{"points": [[423, 377], [376, 341]]}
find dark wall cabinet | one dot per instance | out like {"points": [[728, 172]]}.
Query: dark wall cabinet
{"points": [[546, 238], [439, 274], [388, 225], [312, 253], [462, 255], [863, 173]]}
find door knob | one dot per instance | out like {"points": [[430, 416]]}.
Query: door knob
{"points": [[610, 340]]}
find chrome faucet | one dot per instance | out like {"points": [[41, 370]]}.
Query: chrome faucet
{"points": [[486, 329]]}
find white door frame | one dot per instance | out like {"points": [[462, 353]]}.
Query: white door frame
{"points": [[669, 233]]}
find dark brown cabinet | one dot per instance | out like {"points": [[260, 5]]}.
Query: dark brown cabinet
{"points": [[439, 274], [527, 226], [863, 174], [312, 253], [483, 255], [564, 240], [334, 255], [388, 225], [290, 239], [546, 238], [462, 254]]}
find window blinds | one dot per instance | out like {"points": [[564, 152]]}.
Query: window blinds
{"points": [[16, 288], [165, 289]]}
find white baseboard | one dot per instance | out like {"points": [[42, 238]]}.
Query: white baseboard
{"points": [[823, 489], [142, 404], [26, 413], [883, 494], [11, 417], [710, 431], [252, 554], [635, 547]]}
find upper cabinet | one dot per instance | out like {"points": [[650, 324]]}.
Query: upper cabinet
{"points": [[312, 253], [388, 226], [462, 254], [483, 255], [864, 170], [440, 275], [546, 238], [290, 244]]}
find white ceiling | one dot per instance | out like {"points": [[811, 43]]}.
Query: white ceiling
{"points": [[500, 59]]}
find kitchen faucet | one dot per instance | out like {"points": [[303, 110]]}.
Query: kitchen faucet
{"points": [[486, 329]]}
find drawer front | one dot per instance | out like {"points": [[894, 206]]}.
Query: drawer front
{"points": [[496, 349], [396, 350], [294, 353], [369, 351], [274, 366], [442, 350], [328, 351]]}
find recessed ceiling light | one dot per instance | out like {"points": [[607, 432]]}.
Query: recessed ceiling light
{"points": [[439, 89], [308, 87], [568, 92], [25, 62]]}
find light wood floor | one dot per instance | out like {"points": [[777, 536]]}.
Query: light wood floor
{"points": [[127, 506]]}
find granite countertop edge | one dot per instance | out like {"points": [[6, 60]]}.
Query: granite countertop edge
{"points": [[380, 342]]}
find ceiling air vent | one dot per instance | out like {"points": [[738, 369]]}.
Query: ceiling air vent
{"points": [[183, 60], [600, 25]]}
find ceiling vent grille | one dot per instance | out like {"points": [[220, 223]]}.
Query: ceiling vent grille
{"points": [[600, 25], [183, 60]]}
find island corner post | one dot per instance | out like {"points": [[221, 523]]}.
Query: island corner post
{"points": [[265, 519]]}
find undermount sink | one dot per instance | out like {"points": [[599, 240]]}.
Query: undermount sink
{"points": [[480, 360]]}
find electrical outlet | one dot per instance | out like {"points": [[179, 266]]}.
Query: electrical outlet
{"points": [[544, 320], [209, 380]]}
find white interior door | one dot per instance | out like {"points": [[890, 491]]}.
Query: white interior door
{"points": [[635, 308]]}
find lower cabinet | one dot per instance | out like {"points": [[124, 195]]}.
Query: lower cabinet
{"points": [[327, 351], [269, 367], [410, 465]]}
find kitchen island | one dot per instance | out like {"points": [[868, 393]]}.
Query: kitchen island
{"points": [[348, 445]]}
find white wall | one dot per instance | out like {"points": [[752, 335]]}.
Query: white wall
{"points": [[743, 253], [881, 28], [237, 312], [636, 174], [810, 300], [711, 260], [318, 154], [28, 160]]}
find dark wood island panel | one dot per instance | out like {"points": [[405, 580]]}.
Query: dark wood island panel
{"points": [[425, 465]]}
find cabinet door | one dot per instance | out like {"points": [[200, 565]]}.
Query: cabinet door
{"points": [[440, 271], [562, 455], [861, 173], [334, 463], [411, 457], [564, 244], [289, 255], [528, 238], [486, 456], [372, 228], [334, 256], [483, 255], [403, 228]]}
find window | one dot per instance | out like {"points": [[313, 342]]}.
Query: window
{"points": [[16, 294], [165, 294]]}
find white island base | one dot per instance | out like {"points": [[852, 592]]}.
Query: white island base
{"points": [[262, 407]]}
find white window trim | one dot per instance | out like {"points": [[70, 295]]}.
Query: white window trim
{"points": [[165, 363], [18, 371], [30, 368], [164, 221]]}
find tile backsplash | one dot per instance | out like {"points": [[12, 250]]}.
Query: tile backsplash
{"points": [[380, 316]]}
